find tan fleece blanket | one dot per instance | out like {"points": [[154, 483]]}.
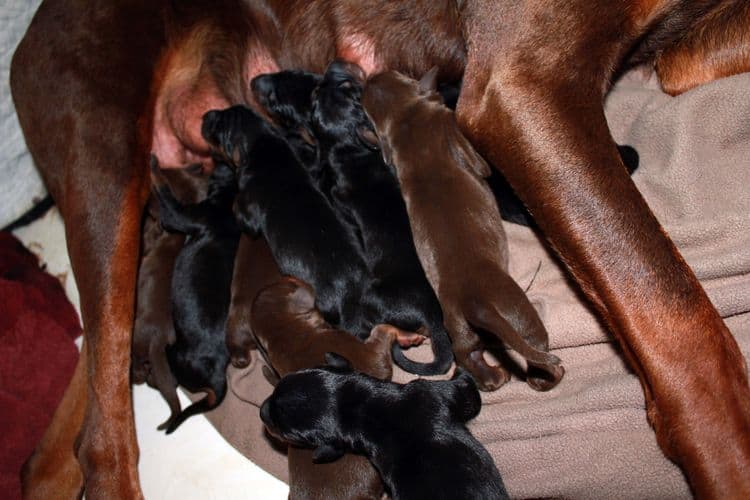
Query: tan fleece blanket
{"points": [[589, 438]]}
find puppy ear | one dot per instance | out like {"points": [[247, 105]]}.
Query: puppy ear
{"points": [[428, 83], [326, 453], [463, 396], [464, 154], [339, 362]]}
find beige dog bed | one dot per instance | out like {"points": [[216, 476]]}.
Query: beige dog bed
{"points": [[589, 438]]}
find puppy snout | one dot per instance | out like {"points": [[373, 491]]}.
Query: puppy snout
{"points": [[262, 87], [351, 70], [208, 128], [265, 413]]}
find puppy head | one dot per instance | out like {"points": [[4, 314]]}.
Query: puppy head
{"points": [[303, 409], [387, 96], [395, 103], [337, 112], [232, 132], [287, 98]]}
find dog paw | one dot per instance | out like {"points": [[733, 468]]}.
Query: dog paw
{"points": [[544, 378], [487, 377], [409, 339]]}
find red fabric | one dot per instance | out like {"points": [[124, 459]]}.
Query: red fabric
{"points": [[37, 355]]}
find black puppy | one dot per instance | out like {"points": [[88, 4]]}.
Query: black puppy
{"points": [[278, 199], [366, 194], [414, 434], [286, 97], [201, 284]]}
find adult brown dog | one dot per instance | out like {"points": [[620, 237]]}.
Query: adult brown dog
{"points": [[292, 335], [117, 79]]}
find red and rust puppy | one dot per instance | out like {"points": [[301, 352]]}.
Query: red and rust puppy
{"points": [[254, 269], [457, 230], [534, 78], [292, 335]]}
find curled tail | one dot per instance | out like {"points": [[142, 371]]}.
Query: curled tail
{"points": [[441, 349], [211, 401]]}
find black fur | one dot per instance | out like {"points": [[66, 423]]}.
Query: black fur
{"points": [[414, 434], [366, 194], [278, 199], [286, 97], [201, 288]]}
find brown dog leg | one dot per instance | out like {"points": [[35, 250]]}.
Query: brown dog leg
{"points": [[536, 109], [53, 471], [717, 47], [79, 95]]}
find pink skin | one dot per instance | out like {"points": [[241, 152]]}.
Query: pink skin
{"points": [[177, 142]]}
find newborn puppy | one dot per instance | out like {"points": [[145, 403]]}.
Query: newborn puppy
{"points": [[201, 287], [153, 328], [254, 269], [292, 335], [278, 199], [457, 229], [367, 196], [286, 97], [415, 434]]}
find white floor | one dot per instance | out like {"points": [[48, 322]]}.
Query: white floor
{"points": [[193, 463]]}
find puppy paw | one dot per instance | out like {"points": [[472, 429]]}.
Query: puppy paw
{"points": [[409, 339], [544, 378], [487, 377]]}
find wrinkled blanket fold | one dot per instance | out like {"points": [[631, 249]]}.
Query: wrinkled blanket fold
{"points": [[588, 437]]}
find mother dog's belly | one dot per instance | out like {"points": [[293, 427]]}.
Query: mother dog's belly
{"points": [[185, 88]]}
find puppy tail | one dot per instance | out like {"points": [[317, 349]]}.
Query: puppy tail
{"points": [[211, 401], [441, 349], [483, 314]]}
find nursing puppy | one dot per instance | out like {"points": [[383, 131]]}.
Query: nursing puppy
{"points": [[415, 434], [366, 195], [153, 329], [308, 241], [254, 269], [286, 98], [201, 287], [292, 335], [457, 229]]}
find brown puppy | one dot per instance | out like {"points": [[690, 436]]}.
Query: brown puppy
{"points": [[254, 268], [153, 329], [449, 203], [292, 335]]}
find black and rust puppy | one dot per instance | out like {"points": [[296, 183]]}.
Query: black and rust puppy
{"points": [[414, 434], [366, 194], [201, 284], [153, 328], [278, 199], [286, 97]]}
